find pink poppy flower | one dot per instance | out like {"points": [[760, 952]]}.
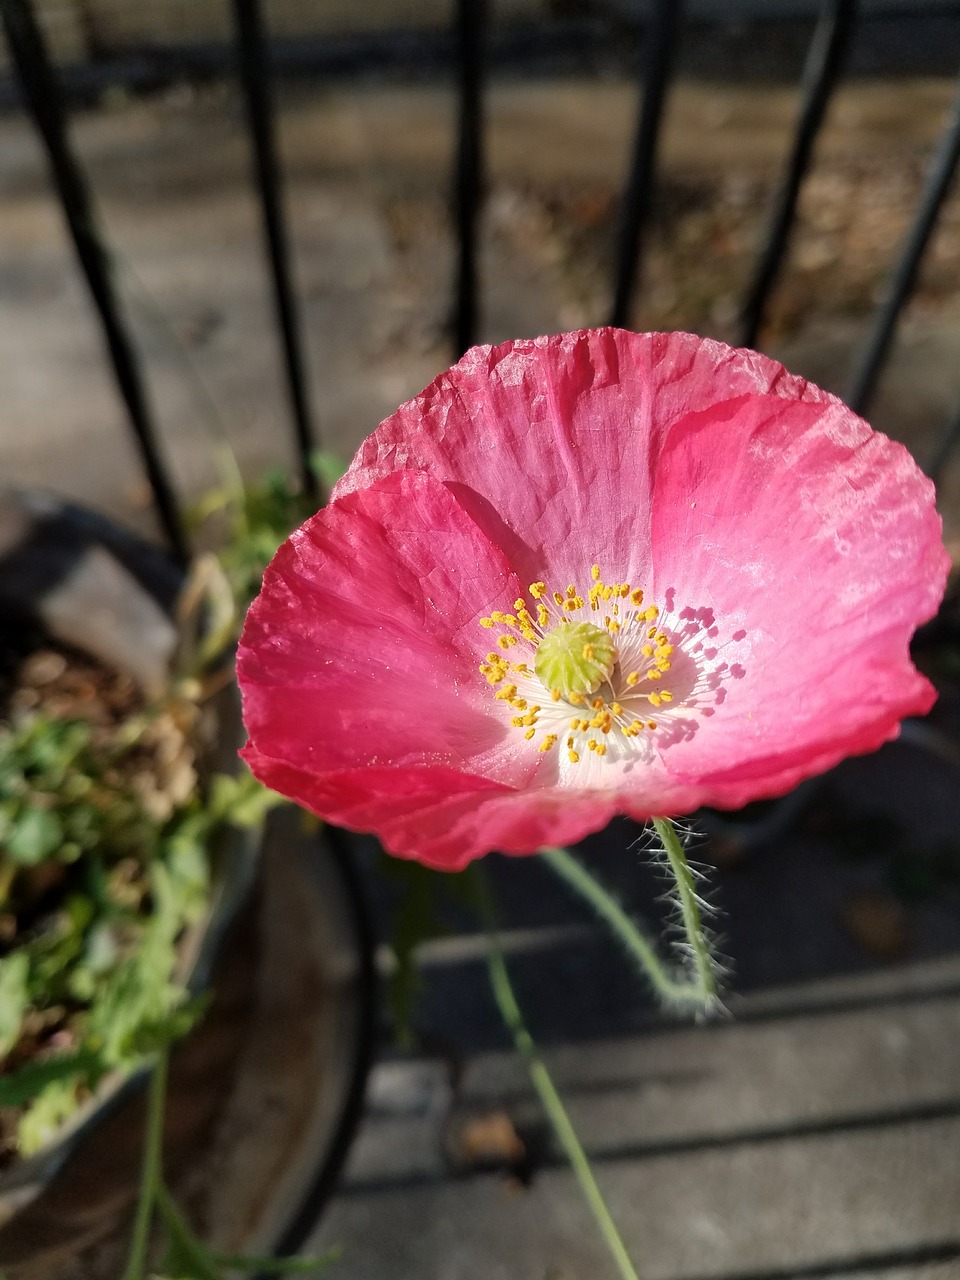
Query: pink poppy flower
{"points": [[584, 575]]}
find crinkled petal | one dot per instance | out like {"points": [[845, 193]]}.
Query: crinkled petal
{"points": [[438, 816], [552, 443], [363, 645], [815, 546]]}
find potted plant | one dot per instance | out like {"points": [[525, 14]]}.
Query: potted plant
{"points": [[129, 861]]}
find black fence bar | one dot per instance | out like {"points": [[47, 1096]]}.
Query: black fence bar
{"points": [[662, 39], [255, 79], [949, 439], [828, 51], [901, 284], [41, 93], [471, 23]]}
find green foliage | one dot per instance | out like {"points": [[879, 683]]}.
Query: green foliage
{"points": [[101, 887], [254, 522]]}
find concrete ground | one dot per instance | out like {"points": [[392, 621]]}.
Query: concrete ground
{"points": [[816, 1132]]}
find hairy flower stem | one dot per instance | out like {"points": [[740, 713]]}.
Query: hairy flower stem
{"points": [[689, 909], [671, 986], [556, 1112], [151, 1176]]}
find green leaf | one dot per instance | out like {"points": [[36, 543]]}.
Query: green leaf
{"points": [[14, 998], [21, 1087], [46, 1114], [36, 834], [327, 467]]}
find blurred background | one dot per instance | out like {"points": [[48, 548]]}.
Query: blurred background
{"points": [[474, 172]]}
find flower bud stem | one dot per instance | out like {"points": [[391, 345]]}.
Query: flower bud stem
{"points": [[672, 986], [696, 938]]}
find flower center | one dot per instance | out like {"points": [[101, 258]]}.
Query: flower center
{"points": [[575, 657], [602, 653]]}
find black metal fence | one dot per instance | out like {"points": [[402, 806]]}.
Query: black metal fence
{"points": [[834, 38]]}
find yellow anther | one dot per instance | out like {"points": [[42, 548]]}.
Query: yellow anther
{"points": [[666, 696], [625, 590], [652, 613], [575, 603], [534, 709], [519, 703], [530, 718], [593, 744], [573, 757], [601, 749], [651, 724], [487, 622], [548, 742], [633, 678], [651, 634], [665, 651], [614, 627], [654, 675], [507, 642], [570, 744], [654, 698], [647, 650], [595, 572], [636, 597], [616, 709], [664, 664], [529, 734], [571, 591], [537, 590], [529, 634], [517, 721], [597, 704], [508, 692], [543, 614], [607, 592], [519, 603], [558, 598], [574, 724], [576, 699]]}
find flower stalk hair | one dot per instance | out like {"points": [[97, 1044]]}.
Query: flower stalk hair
{"points": [[590, 574]]}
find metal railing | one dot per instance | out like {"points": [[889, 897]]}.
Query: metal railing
{"points": [[834, 37]]}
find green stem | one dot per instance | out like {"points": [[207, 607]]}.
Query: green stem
{"points": [[188, 1247], [689, 909], [669, 987], [152, 1170], [556, 1112]]}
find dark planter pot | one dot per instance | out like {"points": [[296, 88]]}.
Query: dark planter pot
{"points": [[265, 1093]]}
